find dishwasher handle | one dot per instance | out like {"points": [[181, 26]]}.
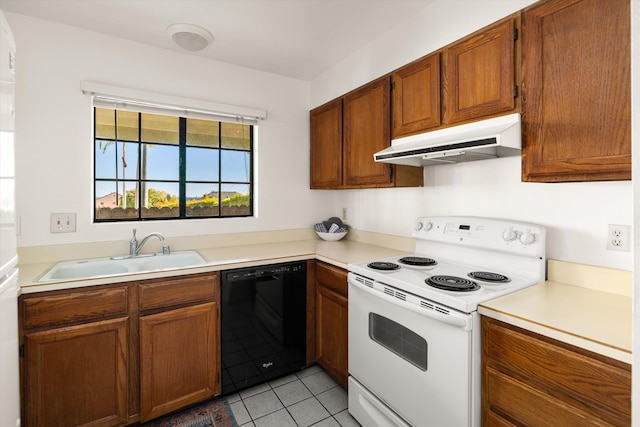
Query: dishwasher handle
{"points": [[440, 314]]}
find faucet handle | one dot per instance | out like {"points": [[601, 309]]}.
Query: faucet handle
{"points": [[166, 250]]}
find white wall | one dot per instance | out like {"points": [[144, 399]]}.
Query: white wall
{"points": [[575, 214], [54, 135], [54, 153]]}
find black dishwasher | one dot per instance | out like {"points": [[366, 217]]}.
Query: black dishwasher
{"points": [[263, 323]]}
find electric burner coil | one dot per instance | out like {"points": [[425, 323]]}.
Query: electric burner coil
{"points": [[487, 276], [384, 266], [417, 261], [452, 283]]}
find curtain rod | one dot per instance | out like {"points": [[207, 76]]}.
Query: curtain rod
{"points": [[150, 100]]}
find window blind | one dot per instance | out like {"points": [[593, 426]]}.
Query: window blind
{"points": [[120, 98]]}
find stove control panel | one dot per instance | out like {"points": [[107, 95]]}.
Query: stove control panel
{"points": [[487, 233]]}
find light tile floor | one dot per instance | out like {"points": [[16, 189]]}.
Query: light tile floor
{"points": [[307, 398]]}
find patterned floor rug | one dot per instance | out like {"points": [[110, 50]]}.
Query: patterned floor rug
{"points": [[213, 413]]}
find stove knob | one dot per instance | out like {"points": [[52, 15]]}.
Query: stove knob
{"points": [[428, 226], [418, 226], [527, 238], [509, 235]]}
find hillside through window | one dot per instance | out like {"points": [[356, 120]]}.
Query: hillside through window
{"points": [[150, 166]]}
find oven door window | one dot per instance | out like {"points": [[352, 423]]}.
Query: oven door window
{"points": [[399, 340]]}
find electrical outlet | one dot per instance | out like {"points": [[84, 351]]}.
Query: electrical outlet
{"points": [[619, 237], [63, 223], [344, 214]]}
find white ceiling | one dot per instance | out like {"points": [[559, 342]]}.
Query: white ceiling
{"points": [[295, 38]]}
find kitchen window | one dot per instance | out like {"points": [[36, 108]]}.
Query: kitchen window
{"points": [[151, 166]]}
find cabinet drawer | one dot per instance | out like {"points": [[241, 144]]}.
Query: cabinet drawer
{"points": [[177, 291], [525, 405], [332, 277], [75, 306], [597, 385]]}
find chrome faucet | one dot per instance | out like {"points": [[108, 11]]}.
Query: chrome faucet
{"points": [[134, 247]]}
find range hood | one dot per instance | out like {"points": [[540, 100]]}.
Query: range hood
{"points": [[486, 139]]}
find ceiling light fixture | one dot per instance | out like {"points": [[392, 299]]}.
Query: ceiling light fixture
{"points": [[189, 37]]}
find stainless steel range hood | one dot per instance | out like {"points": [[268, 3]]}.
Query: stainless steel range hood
{"points": [[486, 139]]}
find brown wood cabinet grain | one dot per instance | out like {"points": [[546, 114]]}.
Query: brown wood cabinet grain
{"points": [[532, 380], [331, 320], [367, 129], [416, 96], [473, 78], [479, 74], [119, 354], [156, 294], [77, 375], [77, 306], [179, 363], [576, 91], [326, 145], [347, 132]]}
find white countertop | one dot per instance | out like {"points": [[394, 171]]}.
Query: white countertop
{"points": [[339, 253], [586, 306], [576, 313]]}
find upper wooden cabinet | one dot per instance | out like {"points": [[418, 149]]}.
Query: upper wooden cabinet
{"points": [[326, 145], [416, 96], [345, 134], [576, 91], [470, 79], [480, 73], [367, 129]]}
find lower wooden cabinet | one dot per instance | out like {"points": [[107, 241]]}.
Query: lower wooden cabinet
{"points": [[77, 376], [119, 354], [178, 359], [332, 320], [532, 380]]}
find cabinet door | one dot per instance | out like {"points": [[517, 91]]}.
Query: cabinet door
{"points": [[479, 74], [77, 376], [367, 130], [331, 320], [179, 359], [326, 145], [331, 330], [576, 91], [416, 96]]}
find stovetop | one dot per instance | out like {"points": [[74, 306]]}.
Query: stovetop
{"points": [[504, 255]]}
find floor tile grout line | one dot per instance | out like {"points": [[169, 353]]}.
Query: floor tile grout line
{"points": [[297, 378], [286, 408]]}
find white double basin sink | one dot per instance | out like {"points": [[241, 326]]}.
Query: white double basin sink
{"points": [[97, 267]]}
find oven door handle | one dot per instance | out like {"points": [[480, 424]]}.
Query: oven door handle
{"points": [[460, 320]]}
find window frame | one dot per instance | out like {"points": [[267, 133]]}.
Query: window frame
{"points": [[182, 180]]}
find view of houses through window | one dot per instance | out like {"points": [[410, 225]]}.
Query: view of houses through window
{"points": [[150, 166]]}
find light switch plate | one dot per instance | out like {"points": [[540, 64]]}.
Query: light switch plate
{"points": [[63, 223]]}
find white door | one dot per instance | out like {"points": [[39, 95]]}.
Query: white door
{"points": [[9, 368]]}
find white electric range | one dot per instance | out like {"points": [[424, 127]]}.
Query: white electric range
{"points": [[414, 331]]}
